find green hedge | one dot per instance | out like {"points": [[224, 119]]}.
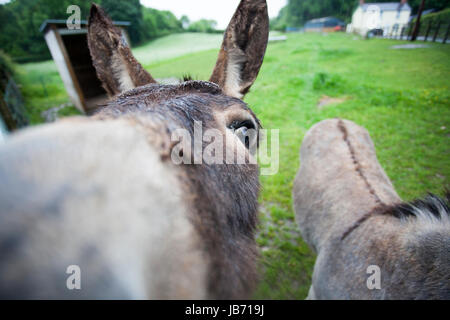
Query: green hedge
{"points": [[443, 16], [6, 64]]}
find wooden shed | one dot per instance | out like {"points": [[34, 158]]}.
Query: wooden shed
{"points": [[69, 50]]}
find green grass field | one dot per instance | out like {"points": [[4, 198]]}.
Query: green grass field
{"points": [[402, 97], [176, 45]]}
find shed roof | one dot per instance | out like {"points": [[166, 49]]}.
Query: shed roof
{"points": [[47, 23], [388, 6]]}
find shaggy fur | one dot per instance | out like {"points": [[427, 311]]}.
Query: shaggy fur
{"points": [[432, 207], [102, 192], [114, 63], [243, 48], [348, 211], [223, 206]]}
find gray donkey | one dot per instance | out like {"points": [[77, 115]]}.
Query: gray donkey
{"points": [[94, 208], [369, 244]]}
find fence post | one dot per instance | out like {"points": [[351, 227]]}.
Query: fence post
{"points": [[428, 31], [409, 31], [437, 31], [417, 25], [446, 34]]}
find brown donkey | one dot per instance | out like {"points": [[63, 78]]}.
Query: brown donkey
{"points": [[95, 208], [369, 244]]}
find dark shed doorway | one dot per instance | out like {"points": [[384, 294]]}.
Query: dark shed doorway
{"points": [[69, 50]]}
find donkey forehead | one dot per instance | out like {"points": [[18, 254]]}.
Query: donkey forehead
{"points": [[200, 96], [163, 91]]}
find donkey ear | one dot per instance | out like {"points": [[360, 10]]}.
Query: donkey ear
{"points": [[116, 66], [243, 48]]}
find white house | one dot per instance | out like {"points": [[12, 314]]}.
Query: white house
{"points": [[390, 17]]}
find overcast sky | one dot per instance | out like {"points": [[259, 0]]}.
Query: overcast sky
{"points": [[219, 10]]}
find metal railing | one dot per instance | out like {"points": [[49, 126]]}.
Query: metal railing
{"points": [[428, 31]]}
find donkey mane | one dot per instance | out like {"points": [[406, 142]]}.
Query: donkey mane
{"points": [[341, 190], [187, 77], [431, 207]]}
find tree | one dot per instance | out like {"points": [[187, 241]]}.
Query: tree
{"points": [[185, 22], [297, 12], [159, 23], [430, 4], [21, 19], [203, 25]]}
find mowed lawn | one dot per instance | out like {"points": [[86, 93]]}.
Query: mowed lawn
{"points": [[176, 45], [402, 97]]}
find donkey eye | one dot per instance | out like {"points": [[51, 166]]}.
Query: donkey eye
{"points": [[241, 130], [236, 124]]}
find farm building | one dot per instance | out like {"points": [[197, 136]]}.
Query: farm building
{"points": [[69, 50], [327, 24], [386, 18]]}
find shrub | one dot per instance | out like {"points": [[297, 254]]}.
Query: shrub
{"points": [[6, 65], [443, 16]]}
